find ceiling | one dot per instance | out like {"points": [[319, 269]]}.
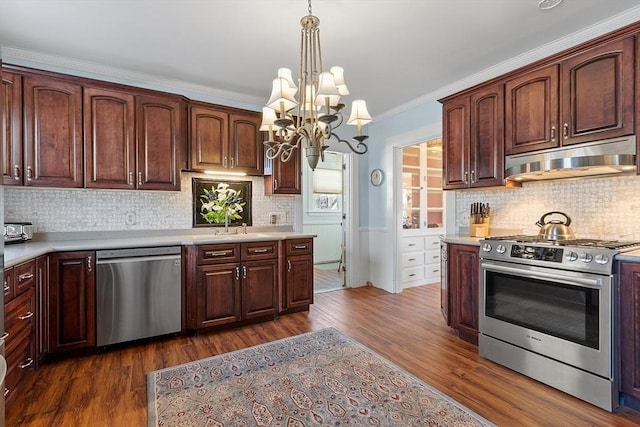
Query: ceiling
{"points": [[393, 51]]}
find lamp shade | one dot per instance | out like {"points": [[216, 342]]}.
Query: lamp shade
{"points": [[285, 73], [359, 114], [268, 119], [327, 89], [338, 77], [281, 95]]}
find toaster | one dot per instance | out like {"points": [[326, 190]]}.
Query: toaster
{"points": [[15, 232]]}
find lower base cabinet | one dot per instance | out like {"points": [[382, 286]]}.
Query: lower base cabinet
{"points": [[72, 296], [629, 327], [463, 286], [298, 275]]}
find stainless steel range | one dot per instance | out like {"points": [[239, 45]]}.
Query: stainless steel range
{"points": [[547, 310]]}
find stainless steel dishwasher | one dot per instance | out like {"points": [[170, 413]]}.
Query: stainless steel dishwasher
{"points": [[138, 293]]}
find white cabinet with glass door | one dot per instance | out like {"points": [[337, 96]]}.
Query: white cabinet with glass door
{"points": [[422, 213]]}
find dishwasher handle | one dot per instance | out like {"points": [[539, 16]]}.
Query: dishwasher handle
{"points": [[137, 259]]}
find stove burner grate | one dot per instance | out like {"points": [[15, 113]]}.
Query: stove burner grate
{"points": [[594, 243]]}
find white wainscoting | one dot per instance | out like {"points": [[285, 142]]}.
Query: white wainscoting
{"points": [[326, 247]]}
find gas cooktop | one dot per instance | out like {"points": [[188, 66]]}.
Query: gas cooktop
{"points": [[589, 243]]}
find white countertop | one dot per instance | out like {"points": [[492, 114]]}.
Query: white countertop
{"points": [[19, 252], [461, 239], [633, 256]]}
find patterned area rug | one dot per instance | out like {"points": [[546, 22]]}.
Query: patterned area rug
{"points": [[321, 378]]}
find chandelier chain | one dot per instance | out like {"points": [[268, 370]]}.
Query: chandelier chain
{"points": [[310, 13]]}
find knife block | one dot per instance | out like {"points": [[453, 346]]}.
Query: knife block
{"points": [[479, 230]]}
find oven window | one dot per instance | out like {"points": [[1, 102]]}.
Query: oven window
{"points": [[563, 311]]}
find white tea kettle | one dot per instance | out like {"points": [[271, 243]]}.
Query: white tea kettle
{"points": [[555, 229]]}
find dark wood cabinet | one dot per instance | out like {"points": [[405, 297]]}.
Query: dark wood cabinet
{"points": [[159, 122], [463, 281], [473, 135], [629, 327], [21, 317], [585, 97], [298, 274], [283, 177], [72, 294], [226, 140], [109, 139], [42, 307], [234, 282], [12, 158], [52, 132]]}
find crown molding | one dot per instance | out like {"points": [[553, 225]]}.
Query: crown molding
{"points": [[76, 67], [586, 34]]}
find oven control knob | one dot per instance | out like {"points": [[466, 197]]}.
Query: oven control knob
{"points": [[602, 259], [501, 249], [586, 257], [571, 256], [486, 247]]}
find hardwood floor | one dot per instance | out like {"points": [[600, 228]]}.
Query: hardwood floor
{"points": [[109, 389]]}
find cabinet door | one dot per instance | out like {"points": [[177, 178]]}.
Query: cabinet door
{"points": [[259, 288], [629, 302], [597, 93], [486, 142], [531, 111], [53, 132], [246, 148], [72, 295], [109, 139], [11, 97], [298, 287], [8, 284], [218, 293], [464, 288], [455, 143], [209, 138], [284, 177], [159, 135]]}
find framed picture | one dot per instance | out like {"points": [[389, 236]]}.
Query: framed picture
{"points": [[199, 185]]}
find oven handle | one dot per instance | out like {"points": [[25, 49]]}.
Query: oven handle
{"points": [[588, 283]]}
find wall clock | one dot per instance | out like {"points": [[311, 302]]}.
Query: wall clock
{"points": [[376, 177]]}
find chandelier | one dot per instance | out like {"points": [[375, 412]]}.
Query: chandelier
{"points": [[311, 116]]}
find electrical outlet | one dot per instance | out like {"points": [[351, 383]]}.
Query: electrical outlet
{"points": [[273, 218]]}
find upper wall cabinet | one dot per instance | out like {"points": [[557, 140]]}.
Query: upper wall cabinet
{"points": [[227, 141], [585, 97], [11, 126], [52, 132], [131, 141], [283, 177], [473, 129]]}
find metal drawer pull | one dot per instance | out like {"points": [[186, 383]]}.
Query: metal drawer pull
{"points": [[26, 363], [89, 264], [244, 272], [300, 247], [6, 286], [411, 244], [237, 273], [412, 259], [288, 265], [412, 274], [16, 173], [260, 251], [216, 253], [26, 316], [25, 276], [4, 336], [6, 391]]}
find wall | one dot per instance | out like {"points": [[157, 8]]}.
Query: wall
{"points": [[61, 210], [599, 207]]}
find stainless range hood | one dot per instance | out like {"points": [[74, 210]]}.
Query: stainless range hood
{"points": [[605, 157]]}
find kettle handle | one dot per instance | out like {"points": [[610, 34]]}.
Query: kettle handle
{"points": [[541, 222]]}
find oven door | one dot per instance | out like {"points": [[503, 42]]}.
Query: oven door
{"points": [[564, 315]]}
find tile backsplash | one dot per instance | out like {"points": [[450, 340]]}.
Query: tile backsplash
{"points": [[64, 210], [599, 207]]}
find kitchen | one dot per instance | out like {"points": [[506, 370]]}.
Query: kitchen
{"points": [[591, 212]]}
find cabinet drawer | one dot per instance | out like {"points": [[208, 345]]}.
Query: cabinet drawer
{"points": [[432, 256], [412, 244], [259, 250], [413, 273], [432, 242], [20, 362], [24, 276], [213, 254], [298, 246], [432, 272], [411, 259], [19, 319]]}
